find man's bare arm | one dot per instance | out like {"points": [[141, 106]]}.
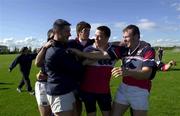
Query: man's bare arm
{"points": [[41, 55], [142, 74], [96, 55]]}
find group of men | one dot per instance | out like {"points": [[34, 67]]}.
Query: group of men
{"points": [[80, 70]]}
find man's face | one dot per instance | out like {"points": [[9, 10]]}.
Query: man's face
{"points": [[26, 51], [100, 38], [84, 34], [129, 39], [65, 33]]}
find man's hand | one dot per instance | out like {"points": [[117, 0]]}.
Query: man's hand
{"points": [[116, 72], [48, 44], [75, 51], [9, 70], [41, 76]]}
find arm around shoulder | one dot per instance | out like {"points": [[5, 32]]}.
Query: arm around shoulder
{"points": [[40, 57]]}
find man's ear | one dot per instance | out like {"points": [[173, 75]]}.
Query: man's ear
{"points": [[137, 37]]}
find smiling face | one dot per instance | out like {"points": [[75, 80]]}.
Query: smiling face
{"points": [[100, 39], [84, 34], [83, 30], [130, 39]]}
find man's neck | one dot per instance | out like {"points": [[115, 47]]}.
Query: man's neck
{"points": [[83, 41], [56, 38], [134, 48], [103, 47], [135, 45]]}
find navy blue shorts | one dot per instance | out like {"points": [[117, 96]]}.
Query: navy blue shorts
{"points": [[77, 95], [90, 100]]}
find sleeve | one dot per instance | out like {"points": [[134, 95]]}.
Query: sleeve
{"points": [[159, 65], [14, 63], [33, 56], [43, 69], [71, 43], [117, 52], [89, 49], [61, 62], [149, 56], [91, 41]]}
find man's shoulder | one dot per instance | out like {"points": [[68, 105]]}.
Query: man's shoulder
{"points": [[91, 40], [19, 55], [73, 43], [55, 49], [145, 46], [90, 48], [117, 47]]}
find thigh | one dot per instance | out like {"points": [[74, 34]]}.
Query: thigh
{"points": [[118, 109], [138, 98], [77, 94], [139, 113], [64, 113], [89, 101], [121, 95], [40, 94], [25, 75], [104, 101], [45, 110], [61, 103]]}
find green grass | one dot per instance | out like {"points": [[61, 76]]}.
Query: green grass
{"points": [[164, 98]]}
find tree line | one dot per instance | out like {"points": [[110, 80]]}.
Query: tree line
{"points": [[16, 50]]}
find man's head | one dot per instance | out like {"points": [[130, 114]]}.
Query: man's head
{"points": [[61, 29], [131, 35], [24, 50], [83, 30], [50, 34], [102, 35]]}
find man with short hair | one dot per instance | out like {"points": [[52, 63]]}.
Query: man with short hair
{"points": [[80, 42], [165, 66], [138, 69], [160, 53], [95, 86], [41, 83], [25, 61], [61, 67]]}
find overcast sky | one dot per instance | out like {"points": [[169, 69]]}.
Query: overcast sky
{"points": [[26, 22]]}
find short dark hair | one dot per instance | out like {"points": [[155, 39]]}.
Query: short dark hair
{"points": [[23, 49], [81, 25], [60, 24], [49, 33], [106, 30], [134, 28]]}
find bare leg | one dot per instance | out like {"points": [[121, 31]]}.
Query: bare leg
{"points": [[77, 108], [91, 114], [64, 113], [118, 109], [139, 112], [131, 111], [45, 110], [106, 113]]}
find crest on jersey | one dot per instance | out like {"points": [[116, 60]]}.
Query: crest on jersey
{"points": [[132, 63]]}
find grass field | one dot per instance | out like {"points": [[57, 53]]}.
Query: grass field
{"points": [[164, 99]]}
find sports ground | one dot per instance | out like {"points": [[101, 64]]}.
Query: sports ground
{"points": [[164, 98]]}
